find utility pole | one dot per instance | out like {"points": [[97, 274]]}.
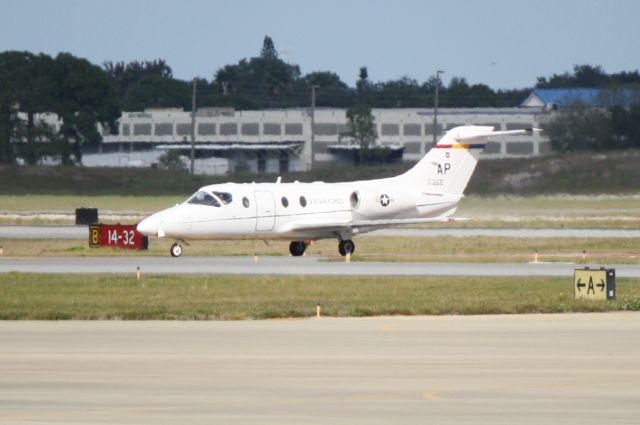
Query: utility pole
{"points": [[435, 108], [313, 120], [193, 127]]}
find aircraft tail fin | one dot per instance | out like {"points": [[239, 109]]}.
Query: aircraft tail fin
{"points": [[448, 166]]}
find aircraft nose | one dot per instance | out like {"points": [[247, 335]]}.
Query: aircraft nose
{"points": [[148, 226]]}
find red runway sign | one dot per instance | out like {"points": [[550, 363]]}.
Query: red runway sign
{"points": [[116, 236]]}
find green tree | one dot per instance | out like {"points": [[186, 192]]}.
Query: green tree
{"points": [[331, 92], [39, 140], [588, 76], [402, 93], [27, 87], [625, 126], [6, 130], [84, 98], [268, 49], [154, 91], [511, 97], [579, 128], [124, 77], [171, 160], [267, 79], [362, 128], [364, 88], [77, 91]]}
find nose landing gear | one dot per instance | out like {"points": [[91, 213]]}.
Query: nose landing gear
{"points": [[176, 250]]}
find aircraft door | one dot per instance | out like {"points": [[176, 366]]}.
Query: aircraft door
{"points": [[265, 210]]}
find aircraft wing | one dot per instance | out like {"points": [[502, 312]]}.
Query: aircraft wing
{"points": [[363, 226]]}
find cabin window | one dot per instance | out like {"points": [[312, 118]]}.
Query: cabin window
{"points": [[303, 201], [225, 197], [204, 198], [354, 200], [245, 202], [285, 201]]}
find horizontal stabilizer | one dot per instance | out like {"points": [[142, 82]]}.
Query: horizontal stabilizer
{"points": [[467, 137]]}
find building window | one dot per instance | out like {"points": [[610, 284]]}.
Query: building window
{"points": [[142, 129], [164, 129], [303, 201], [428, 129], [390, 129], [206, 129], [285, 201], [250, 129], [183, 129], [325, 129], [412, 130], [293, 129], [271, 129], [228, 129]]}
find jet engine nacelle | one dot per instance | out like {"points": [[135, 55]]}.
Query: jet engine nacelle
{"points": [[372, 204]]}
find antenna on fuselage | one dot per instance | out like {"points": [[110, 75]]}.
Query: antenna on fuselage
{"points": [[279, 179]]}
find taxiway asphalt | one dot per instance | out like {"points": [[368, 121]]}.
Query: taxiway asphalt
{"points": [[307, 265], [525, 369]]}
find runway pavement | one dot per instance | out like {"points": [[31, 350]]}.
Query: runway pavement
{"points": [[82, 232], [307, 265], [524, 369], [60, 231]]}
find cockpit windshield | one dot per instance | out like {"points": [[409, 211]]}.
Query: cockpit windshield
{"points": [[225, 197], [214, 199], [203, 198]]}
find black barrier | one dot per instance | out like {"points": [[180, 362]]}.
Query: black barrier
{"points": [[86, 215]]}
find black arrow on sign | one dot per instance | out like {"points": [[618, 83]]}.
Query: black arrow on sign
{"points": [[580, 285], [601, 285]]}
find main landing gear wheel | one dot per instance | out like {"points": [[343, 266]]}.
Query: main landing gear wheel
{"points": [[296, 248], [346, 247], [176, 250]]}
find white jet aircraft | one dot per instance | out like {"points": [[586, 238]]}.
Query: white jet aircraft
{"points": [[304, 212]]}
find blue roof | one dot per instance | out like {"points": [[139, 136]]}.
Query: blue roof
{"points": [[568, 96], [588, 96]]}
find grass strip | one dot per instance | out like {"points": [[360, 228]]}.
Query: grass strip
{"points": [[371, 248], [26, 296]]}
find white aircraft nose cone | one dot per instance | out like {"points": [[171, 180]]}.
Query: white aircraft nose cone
{"points": [[148, 227]]}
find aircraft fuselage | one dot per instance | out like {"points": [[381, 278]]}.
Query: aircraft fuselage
{"points": [[275, 210]]}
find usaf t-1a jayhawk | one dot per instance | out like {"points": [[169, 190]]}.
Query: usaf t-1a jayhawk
{"points": [[304, 212]]}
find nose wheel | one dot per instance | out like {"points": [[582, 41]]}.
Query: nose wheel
{"points": [[346, 247], [176, 250]]}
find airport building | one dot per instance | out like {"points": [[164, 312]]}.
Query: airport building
{"points": [[275, 141]]}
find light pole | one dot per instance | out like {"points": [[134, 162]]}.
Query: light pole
{"points": [[435, 108], [193, 127], [313, 119]]}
